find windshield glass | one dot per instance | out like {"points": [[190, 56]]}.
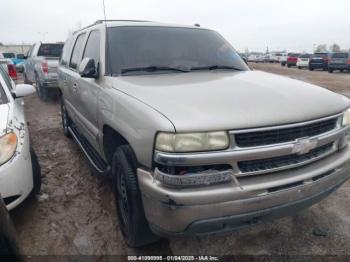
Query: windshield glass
{"points": [[168, 47], [50, 50], [8, 55], [341, 55]]}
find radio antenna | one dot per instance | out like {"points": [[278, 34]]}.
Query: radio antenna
{"points": [[104, 9], [109, 69]]}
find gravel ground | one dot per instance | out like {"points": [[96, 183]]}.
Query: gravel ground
{"points": [[75, 213]]}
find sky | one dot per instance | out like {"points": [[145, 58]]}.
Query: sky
{"points": [[294, 25]]}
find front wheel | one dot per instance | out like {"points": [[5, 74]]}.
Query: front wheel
{"points": [[131, 215], [36, 173]]}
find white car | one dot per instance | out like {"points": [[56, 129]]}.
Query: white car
{"points": [[303, 61], [19, 168], [283, 59]]}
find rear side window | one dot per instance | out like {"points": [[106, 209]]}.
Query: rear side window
{"points": [[50, 50], [341, 55], [76, 54], [65, 52], [92, 49]]}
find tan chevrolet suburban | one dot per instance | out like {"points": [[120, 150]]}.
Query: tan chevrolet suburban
{"points": [[195, 142]]}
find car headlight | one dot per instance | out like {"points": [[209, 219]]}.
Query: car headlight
{"points": [[8, 145], [192, 142], [346, 117]]}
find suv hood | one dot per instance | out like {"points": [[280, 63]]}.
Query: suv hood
{"points": [[221, 100], [4, 111]]}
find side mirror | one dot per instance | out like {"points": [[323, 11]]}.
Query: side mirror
{"points": [[23, 90], [87, 68]]}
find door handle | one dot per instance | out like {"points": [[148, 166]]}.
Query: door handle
{"points": [[75, 87]]}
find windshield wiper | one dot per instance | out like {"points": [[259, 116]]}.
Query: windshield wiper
{"points": [[215, 67], [154, 69]]}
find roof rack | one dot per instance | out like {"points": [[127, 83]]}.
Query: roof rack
{"points": [[102, 21]]}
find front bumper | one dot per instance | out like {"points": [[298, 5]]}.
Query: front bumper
{"points": [[223, 207]]}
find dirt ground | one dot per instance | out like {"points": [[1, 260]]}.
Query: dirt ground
{"points": [[75, 213]]}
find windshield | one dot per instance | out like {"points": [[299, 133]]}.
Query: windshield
{"points": [[168, 47], [341, 55], [8, 55], [50, 50], [320, 55], [305, 56]]}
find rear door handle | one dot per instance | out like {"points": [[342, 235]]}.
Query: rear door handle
{"points": [[75, 87]]}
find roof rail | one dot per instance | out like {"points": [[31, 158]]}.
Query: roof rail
{"points": [[102, 21], [118, 20]]}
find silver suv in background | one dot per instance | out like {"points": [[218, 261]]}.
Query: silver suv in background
{"points": [[41, 68], [194, 142]]}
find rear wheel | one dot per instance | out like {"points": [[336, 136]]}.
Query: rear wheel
{"points": [[41, 91], [311, 69], [131, 216], [330, 71], [299, 67], [66, 121], [288, 65], [25, 78], [341, 70]]}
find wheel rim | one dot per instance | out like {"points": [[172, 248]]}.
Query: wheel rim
{"points": [[122, 201]]}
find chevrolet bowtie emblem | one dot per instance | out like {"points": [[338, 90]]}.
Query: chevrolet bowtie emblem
{"points": [[304, 145]]}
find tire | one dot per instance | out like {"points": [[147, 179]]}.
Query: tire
{"points": [[330, 71], [36, 173], [311, 69], [25, 78], [289, 66], [341, 70], [299, 67], [66, 121], [42, 92], [131, 215]]}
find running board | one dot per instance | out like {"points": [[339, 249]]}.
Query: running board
{"points": [[99, 165]]}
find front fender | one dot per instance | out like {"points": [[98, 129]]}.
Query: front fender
{"points": [[137, 122]]}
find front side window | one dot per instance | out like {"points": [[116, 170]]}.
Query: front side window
{"points": [[50, 50], [6, 78], [76, 54], [164, 47], [92, 49], [3, 98]]}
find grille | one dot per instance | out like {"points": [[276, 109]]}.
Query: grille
{"points": [[282, 161], [275, 136]]}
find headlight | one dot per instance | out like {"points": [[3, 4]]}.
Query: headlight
{"points": [[192, 142], [346, 117], [8, 145]]}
